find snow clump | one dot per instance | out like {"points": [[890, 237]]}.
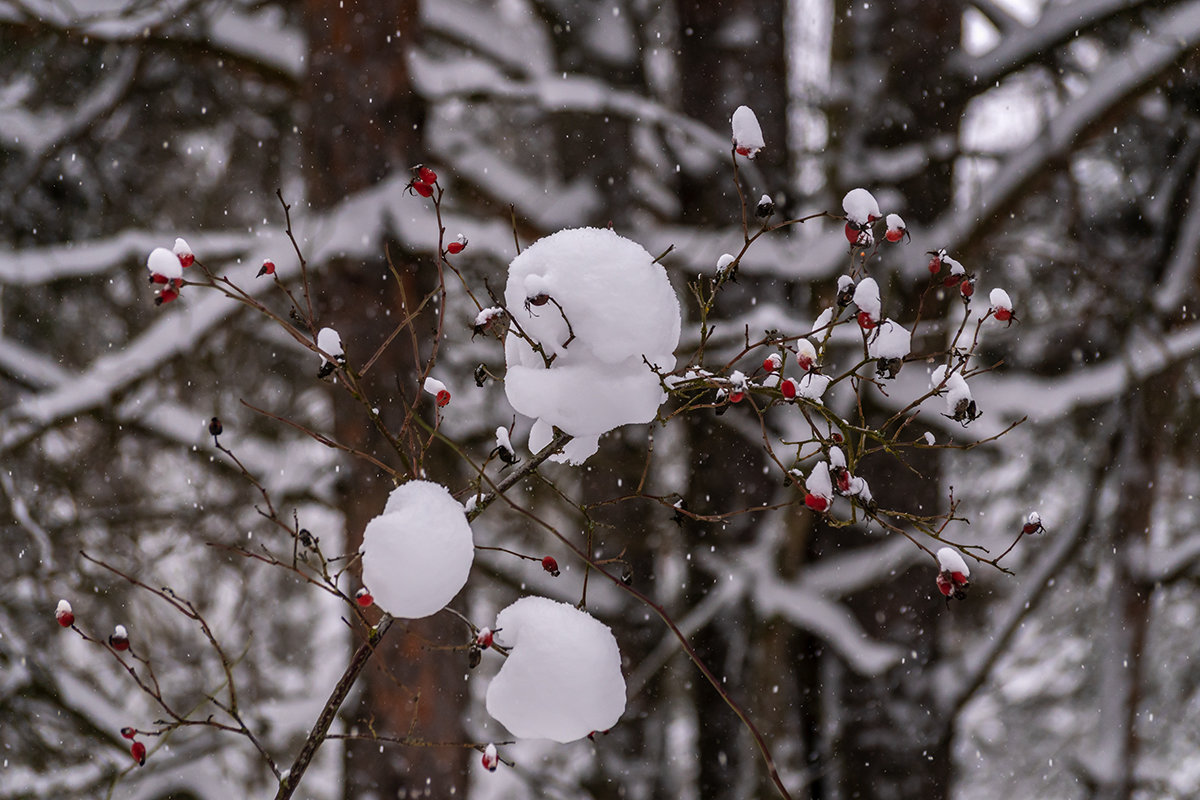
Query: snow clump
{"points": [[892, 341], [960, 406], [165, 263], [418, 552], [866, 297], [562, 679], [747, 134], [949, 560], [598, 307], [860, 207]]}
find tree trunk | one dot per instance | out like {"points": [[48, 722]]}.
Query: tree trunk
{"points": [[365, 124]]}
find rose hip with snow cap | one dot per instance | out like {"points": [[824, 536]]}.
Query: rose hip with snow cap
{"points": [[490, 758], [484, 638], [773, 362], [184, 253], [1033, 523], [457, 246], [441, 394], [953, 574], [128, 732], [896, 229], [1001, 306], [747, 133], [818, 488], [119, 640], [268, 268], [64, 615], [364, 598]]}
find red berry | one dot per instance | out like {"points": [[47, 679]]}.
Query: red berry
{"points": [[1003, 314], [119, 639], [167, 296], [843, 481], [743, 151], [894, 235], [550, 565], [967, 287], [837, 437], [454, 248], [156, 278], [852, 233], [737, 396], [129, 733], [788, 388], [935, 265], [952, 280], [865, 321], [364, 598], [64, 614], [772, 362], [426, 175], [490, 758], [944, 584], [959, 578], [268, 268], [422, 188], [816, 502], [186, 259], [138, 751], [443, 398], [484, 638]]}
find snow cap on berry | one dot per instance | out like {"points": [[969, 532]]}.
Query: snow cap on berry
{"points": [[747, 134], [895, 228], [331, 342], [866, 297], [162, 261], [949, 560], [765, 207], [723, 262], [806, 355], [860, 207], [490, 758], [1000, 301], [438, 389], [184, 253], [819, 483], [64, 614], [484, 638], [773, 362]]}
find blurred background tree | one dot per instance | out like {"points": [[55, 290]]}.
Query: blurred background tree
{"points": [[1051, 147]]}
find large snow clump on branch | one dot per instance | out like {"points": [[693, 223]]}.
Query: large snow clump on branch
{"points": [[562, 679], [598, 307], [418, 552]]}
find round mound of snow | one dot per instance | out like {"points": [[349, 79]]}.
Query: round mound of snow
{"points": [[562, 679], [418, 552], [597, 304]]}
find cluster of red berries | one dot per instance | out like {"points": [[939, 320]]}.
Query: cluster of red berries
{"points": [[860, 234], [423, 181], [958, 275], [137, 749], [166, 270]]}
